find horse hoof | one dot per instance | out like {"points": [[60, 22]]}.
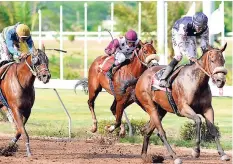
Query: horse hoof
{"points": [[106, 127], [29, 155], [196, 153], [178, 161], [109, 128], [152, 158], [144, 156], [122, 134], [225, 158], [94, 129]]}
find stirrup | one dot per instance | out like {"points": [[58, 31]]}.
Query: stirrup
{"points": [[109, 75], [164, 84]]}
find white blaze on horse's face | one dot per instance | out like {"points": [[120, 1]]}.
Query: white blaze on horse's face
{"points": [[217, 68]]}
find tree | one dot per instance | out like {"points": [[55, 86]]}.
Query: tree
{"points": [[13, 12]]}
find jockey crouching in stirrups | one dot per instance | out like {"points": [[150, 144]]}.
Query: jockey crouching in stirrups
{"points": [[15, 42], [184, 33], [122, 48]]}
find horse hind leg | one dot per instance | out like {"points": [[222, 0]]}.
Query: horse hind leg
{"points": [[93, 93], [209, 117]]}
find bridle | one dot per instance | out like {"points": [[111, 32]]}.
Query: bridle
{"points": [[208, 72], [35, 70], [143, 54]]}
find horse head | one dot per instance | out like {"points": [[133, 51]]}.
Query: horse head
{"points": [[215, 65], [147, 53], [40, 65]]}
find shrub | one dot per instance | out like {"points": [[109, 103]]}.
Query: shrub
{"points": [[71, 38], [137, 125], [188, 132]]}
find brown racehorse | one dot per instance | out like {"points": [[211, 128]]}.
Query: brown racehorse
{"points": [[192, 95], [127, 75], [18, 89]]}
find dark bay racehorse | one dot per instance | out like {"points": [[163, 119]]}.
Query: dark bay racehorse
{"points": [[125, 76], [18, 89], [192, 95]]}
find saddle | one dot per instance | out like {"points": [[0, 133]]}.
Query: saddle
{"points": [[4, 66], [106, 63], [171, 78], [155, 86]]}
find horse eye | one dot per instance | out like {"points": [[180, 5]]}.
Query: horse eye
{"points": [[145, 52], [35, 60]]}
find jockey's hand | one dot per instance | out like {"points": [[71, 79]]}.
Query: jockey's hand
{"points": [[193, 59], [22, 55]]}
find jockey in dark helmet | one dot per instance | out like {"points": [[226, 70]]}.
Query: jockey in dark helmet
{"points": [[123, 48], [184, 33]]}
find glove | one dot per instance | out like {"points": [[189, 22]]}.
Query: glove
{"points": [[193, 59], [22, 55]]}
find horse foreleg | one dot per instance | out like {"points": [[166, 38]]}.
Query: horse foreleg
{"points": [[21, 130], [147, 131], [113, 109], [188, 112], [93, 93], [161, 133], [209, 117], [119, 112]]}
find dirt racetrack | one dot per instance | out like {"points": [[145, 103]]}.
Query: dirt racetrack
{"points": [[59, 151]]}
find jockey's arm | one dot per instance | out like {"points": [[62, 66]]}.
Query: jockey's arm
{"points": [[205, 39], [113, 45], [181, 40], [10, 44], [30, 44]]}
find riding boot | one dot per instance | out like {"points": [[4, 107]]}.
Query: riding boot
{"points": [[110, 73], [167, 72]]}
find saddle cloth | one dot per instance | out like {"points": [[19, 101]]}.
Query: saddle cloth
{"points": [[106, 63], [157, 76]]}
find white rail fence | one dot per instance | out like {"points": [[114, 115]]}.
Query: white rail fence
{"points": [[69, 84]]}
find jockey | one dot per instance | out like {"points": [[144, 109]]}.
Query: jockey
{"points": [[15, 41], [122, 48], [184, 33]]}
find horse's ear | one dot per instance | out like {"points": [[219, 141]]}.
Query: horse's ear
{"points": [[151, 42], [34, 49], [224, 47], [43, 48], [140, 43], [209, 47]]}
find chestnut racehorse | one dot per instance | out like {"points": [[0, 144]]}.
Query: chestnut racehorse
{"points": [[192, 95], [125, 77], [17, 87]]}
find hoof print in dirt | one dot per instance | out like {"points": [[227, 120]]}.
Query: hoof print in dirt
{"points": [[153, 159]]}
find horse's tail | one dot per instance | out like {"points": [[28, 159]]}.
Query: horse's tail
{"points": [[84, 83]]}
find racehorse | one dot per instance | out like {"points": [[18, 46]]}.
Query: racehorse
{"points": [[17, 87], [124, 81], [191, 93]]}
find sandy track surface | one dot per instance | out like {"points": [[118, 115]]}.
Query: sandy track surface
{"points": [[59, 151]]}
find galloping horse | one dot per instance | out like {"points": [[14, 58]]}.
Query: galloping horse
{"points": [[191, 93], [17, 87], [125, 77]]}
